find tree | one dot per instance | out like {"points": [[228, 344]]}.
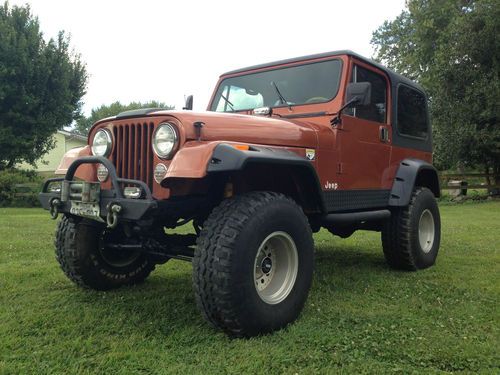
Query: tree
{"points": [[452, 48], [41, 86], [83, 124]]}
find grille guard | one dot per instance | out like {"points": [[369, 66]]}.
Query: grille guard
{"points": [[131, 209]]}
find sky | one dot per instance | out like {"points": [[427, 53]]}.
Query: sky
{"points": [[165, 50]]}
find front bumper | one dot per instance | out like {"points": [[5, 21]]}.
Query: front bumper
{"points": [[108, 202]]}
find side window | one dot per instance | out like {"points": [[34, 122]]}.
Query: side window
{"points": [[412, 115], [376, 110]]}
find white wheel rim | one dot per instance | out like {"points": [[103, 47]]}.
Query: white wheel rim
{"points": [[426, 230], [276, 267]]}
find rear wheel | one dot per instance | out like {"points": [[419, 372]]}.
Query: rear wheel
{"points": [[85, 258], [411, 237], [253, 264]]}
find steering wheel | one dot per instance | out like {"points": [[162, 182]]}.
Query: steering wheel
{"points": [[316, 99]]}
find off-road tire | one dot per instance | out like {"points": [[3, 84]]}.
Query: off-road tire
{"points": [[78, 254], [400, 235], [224, 261]]}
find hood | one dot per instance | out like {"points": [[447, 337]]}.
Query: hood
{"points": [[245, 128]]}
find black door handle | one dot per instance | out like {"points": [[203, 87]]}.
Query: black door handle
{"points": [[384, 134]]}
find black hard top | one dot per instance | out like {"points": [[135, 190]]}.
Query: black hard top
{"points": [[394, 77]]}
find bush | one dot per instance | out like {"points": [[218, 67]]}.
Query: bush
{"points": [[19, 188]]}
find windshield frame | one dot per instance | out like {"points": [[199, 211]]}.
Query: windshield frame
{"points": [[281, 105]]}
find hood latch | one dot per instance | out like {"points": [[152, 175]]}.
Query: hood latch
{"points": [[197, 127]]}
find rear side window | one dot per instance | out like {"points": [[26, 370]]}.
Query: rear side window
{"points": [[412, 113]]}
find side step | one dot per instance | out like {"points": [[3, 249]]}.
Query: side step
{"points": [[349, 218]]}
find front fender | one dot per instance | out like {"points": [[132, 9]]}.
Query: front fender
{"points": [[199, 159], [191, 160], [85, 172], [226, 158]]}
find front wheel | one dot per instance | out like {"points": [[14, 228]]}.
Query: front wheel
{"points": [[411, 237], [85, 258], [253, 264]]}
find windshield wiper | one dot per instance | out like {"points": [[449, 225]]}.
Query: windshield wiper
{"points": [[282, 98], [228, 102]]}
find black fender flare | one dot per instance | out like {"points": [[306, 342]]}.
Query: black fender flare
{"points": [[226, 158], [411, 172]]}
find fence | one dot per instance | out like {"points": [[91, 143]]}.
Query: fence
{"points": [[24, 190], [466, 177]]}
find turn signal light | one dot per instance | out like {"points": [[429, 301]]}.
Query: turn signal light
{"points": [[160, 172], [102, 173], [241, 147]]}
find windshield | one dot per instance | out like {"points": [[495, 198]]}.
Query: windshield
{"points": [[304, 84]]}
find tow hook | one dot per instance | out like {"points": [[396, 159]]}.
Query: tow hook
{"points": [[54, 208], [112, 216]]}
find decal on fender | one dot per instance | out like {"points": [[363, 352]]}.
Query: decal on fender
{"points": [[310, 154]]}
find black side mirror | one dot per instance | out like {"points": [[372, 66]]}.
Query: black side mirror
{"points": [[358, 94], [189, 103]]}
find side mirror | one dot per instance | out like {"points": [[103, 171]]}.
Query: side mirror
{"points": [[358, 93], [189, 103]]}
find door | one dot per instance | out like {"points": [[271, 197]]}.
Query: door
{"points": [[364, 140]]}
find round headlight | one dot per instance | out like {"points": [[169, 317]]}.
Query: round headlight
{"points": [[164, 140], [101, 144]]}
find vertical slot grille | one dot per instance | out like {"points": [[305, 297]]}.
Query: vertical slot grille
{"points": [[132, 154]]}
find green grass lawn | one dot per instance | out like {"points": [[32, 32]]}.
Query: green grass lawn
{"points": [[361, 317]]}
